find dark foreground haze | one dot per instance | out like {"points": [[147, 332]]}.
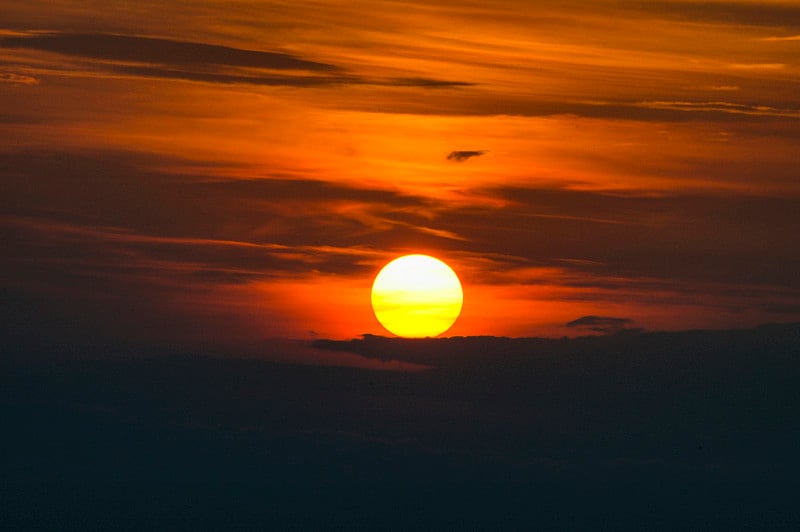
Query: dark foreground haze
{"points": [[690, 430]]}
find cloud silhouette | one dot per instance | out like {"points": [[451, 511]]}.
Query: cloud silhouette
{"points": [[601, 324], [157, 51], [152, 57], [463, 155]]}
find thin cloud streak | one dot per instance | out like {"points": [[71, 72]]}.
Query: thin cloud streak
{"points": [[723, 107], [781, 39], [22, 79], [727, 12]]}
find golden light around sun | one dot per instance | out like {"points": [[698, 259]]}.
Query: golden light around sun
{"points": [[417, 296]]}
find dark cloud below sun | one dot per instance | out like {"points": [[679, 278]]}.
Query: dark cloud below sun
{"points": [[601, 324]]}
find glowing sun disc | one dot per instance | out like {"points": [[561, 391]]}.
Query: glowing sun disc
{"points": [[417, 296]]}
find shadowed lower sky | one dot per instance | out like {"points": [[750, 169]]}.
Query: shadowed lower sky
{"points": [[232, 171]]}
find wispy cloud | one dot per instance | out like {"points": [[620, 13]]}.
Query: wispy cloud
{"points": [[721, 88], [746, 13], [781, 39], [158, 51], [114, 249], [196, 61], [250, 227], [22, 79], [722, 107], [757, 66]]}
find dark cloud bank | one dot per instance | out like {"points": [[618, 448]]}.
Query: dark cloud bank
{"points": [[601, 324], [723, 238], [152, 50], [196, 61], [692, 430]]}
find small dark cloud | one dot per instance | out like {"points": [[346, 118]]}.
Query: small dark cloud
{"points": [[601, 324], [463, 155]]}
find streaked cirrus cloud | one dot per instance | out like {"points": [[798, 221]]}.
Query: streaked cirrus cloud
{"points": [[197, 61]]}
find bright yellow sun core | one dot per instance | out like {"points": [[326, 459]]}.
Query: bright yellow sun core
{"points": [[417, 296]]}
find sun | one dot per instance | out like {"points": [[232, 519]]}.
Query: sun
{"points": [[417, 296]]}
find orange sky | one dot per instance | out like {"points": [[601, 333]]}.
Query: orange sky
{"points": [[227, 172]]}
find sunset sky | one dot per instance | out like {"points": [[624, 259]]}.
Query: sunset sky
{"points": [[228, 172]]}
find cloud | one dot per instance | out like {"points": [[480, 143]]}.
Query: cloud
{"points": [[477, 103], [758, 66], [463, 155], [723, 107], [783, 308], [721, 88], [638, 236], [112, 251], [746, 13], [601, 324], [223, 78], [22, 79], [419, 82], [510, 354], [231, 230], [194, 61], [158, 51], [781, 39], [114, 218]]}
